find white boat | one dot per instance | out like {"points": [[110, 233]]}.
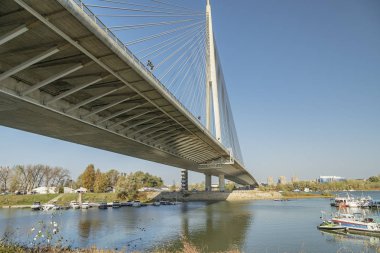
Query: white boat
{"points": [[157, 203], [348, 201], [36, 206], [365, 202], [85, 205], [48, 207], [356, 223], [74, 205], [136, 203]]}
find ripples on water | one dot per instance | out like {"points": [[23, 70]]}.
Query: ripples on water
{"points": [[251, 226]]}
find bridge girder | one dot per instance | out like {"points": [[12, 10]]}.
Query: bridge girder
{"points": [[62, 107]]}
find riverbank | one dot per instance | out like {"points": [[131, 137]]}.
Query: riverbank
{"points": [[24, 201]]}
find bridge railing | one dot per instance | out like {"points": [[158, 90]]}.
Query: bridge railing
{"points": [[142, 66]]}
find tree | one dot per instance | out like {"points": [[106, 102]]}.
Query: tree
{"points": [[126, 187], [129, 185], [102, 182], [374, 179], [88, 177], [230, 186], [113, 176], [5, 174]]}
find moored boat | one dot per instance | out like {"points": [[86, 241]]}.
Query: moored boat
{"points": [[348, 201], [48, 207], [103, 205], [74, 205], [136, 203], [357, 223], [36, 206], [85, 205], [115, 204], [329, 225]]}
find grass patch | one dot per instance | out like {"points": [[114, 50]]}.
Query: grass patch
{"points": [[90, 197], [12, 200]]}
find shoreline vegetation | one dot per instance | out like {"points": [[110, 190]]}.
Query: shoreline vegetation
{"points": [[24, 201], [185, 247]]}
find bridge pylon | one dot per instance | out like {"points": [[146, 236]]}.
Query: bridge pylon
{"points": [[212, 84]]}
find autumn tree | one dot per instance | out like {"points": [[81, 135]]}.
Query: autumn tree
{"points": [[126, 187], [129, 185], [102, 181], [88, 177]]}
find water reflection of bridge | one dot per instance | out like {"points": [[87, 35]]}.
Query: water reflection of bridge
{"points": [[216, 226]]}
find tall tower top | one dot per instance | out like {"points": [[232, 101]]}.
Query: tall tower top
{"points": [[208, 2]]}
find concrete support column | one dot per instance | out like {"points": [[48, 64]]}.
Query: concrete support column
{"points": [[208, 183], [184, 180], [221, 183]]}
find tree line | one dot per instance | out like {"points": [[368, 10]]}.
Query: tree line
{"points": [[372, 183], [128, 184], [25, 178]]}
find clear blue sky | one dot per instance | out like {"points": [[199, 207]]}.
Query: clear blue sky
{"points": [[304, 84]]}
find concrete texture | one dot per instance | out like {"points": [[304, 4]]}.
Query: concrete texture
{"points": [[214, 196]]}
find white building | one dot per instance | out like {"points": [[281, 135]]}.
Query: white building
{"points": [[44, 190], [81, 190], [68, 190], [327, 179]]}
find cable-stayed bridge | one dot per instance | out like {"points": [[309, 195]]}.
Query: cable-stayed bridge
{"points": [[140, 78]]}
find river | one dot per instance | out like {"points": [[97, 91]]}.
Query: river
{"points": [[250, 226]]}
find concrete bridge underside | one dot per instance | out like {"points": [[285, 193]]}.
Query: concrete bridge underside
{"points": [[63, 76]]}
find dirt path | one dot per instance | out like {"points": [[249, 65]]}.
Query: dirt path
{"points": [[56, 198]]}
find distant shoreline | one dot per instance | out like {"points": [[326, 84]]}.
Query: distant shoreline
{"points": [[25, 201]]}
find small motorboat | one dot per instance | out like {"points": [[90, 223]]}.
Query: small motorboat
{"points": [[136, 203], [116, 204], [85, 205], [329, 225], [156, 203], [74, 205], [103, 205], [36, 206], [48, 207]]}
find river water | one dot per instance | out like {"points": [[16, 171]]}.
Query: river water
{"points": [[250, 226]]}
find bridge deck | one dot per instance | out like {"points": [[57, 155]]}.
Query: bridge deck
{"points": [[64, 76]]}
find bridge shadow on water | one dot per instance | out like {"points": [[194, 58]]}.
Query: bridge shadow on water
{"points": [[216, 226]]}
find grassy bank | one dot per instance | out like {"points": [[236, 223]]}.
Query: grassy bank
{"points": [[90, 197], [12, 200], [64, 199]]}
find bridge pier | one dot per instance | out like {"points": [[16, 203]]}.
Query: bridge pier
{"points": [[208, 183], [221, 183], [184, 180]]}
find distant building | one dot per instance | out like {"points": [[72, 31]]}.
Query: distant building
{"points": [[270, 181], [44, 190], [328, 179], [81, 190], [282, 180], [295, 179], [68, 190]]}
